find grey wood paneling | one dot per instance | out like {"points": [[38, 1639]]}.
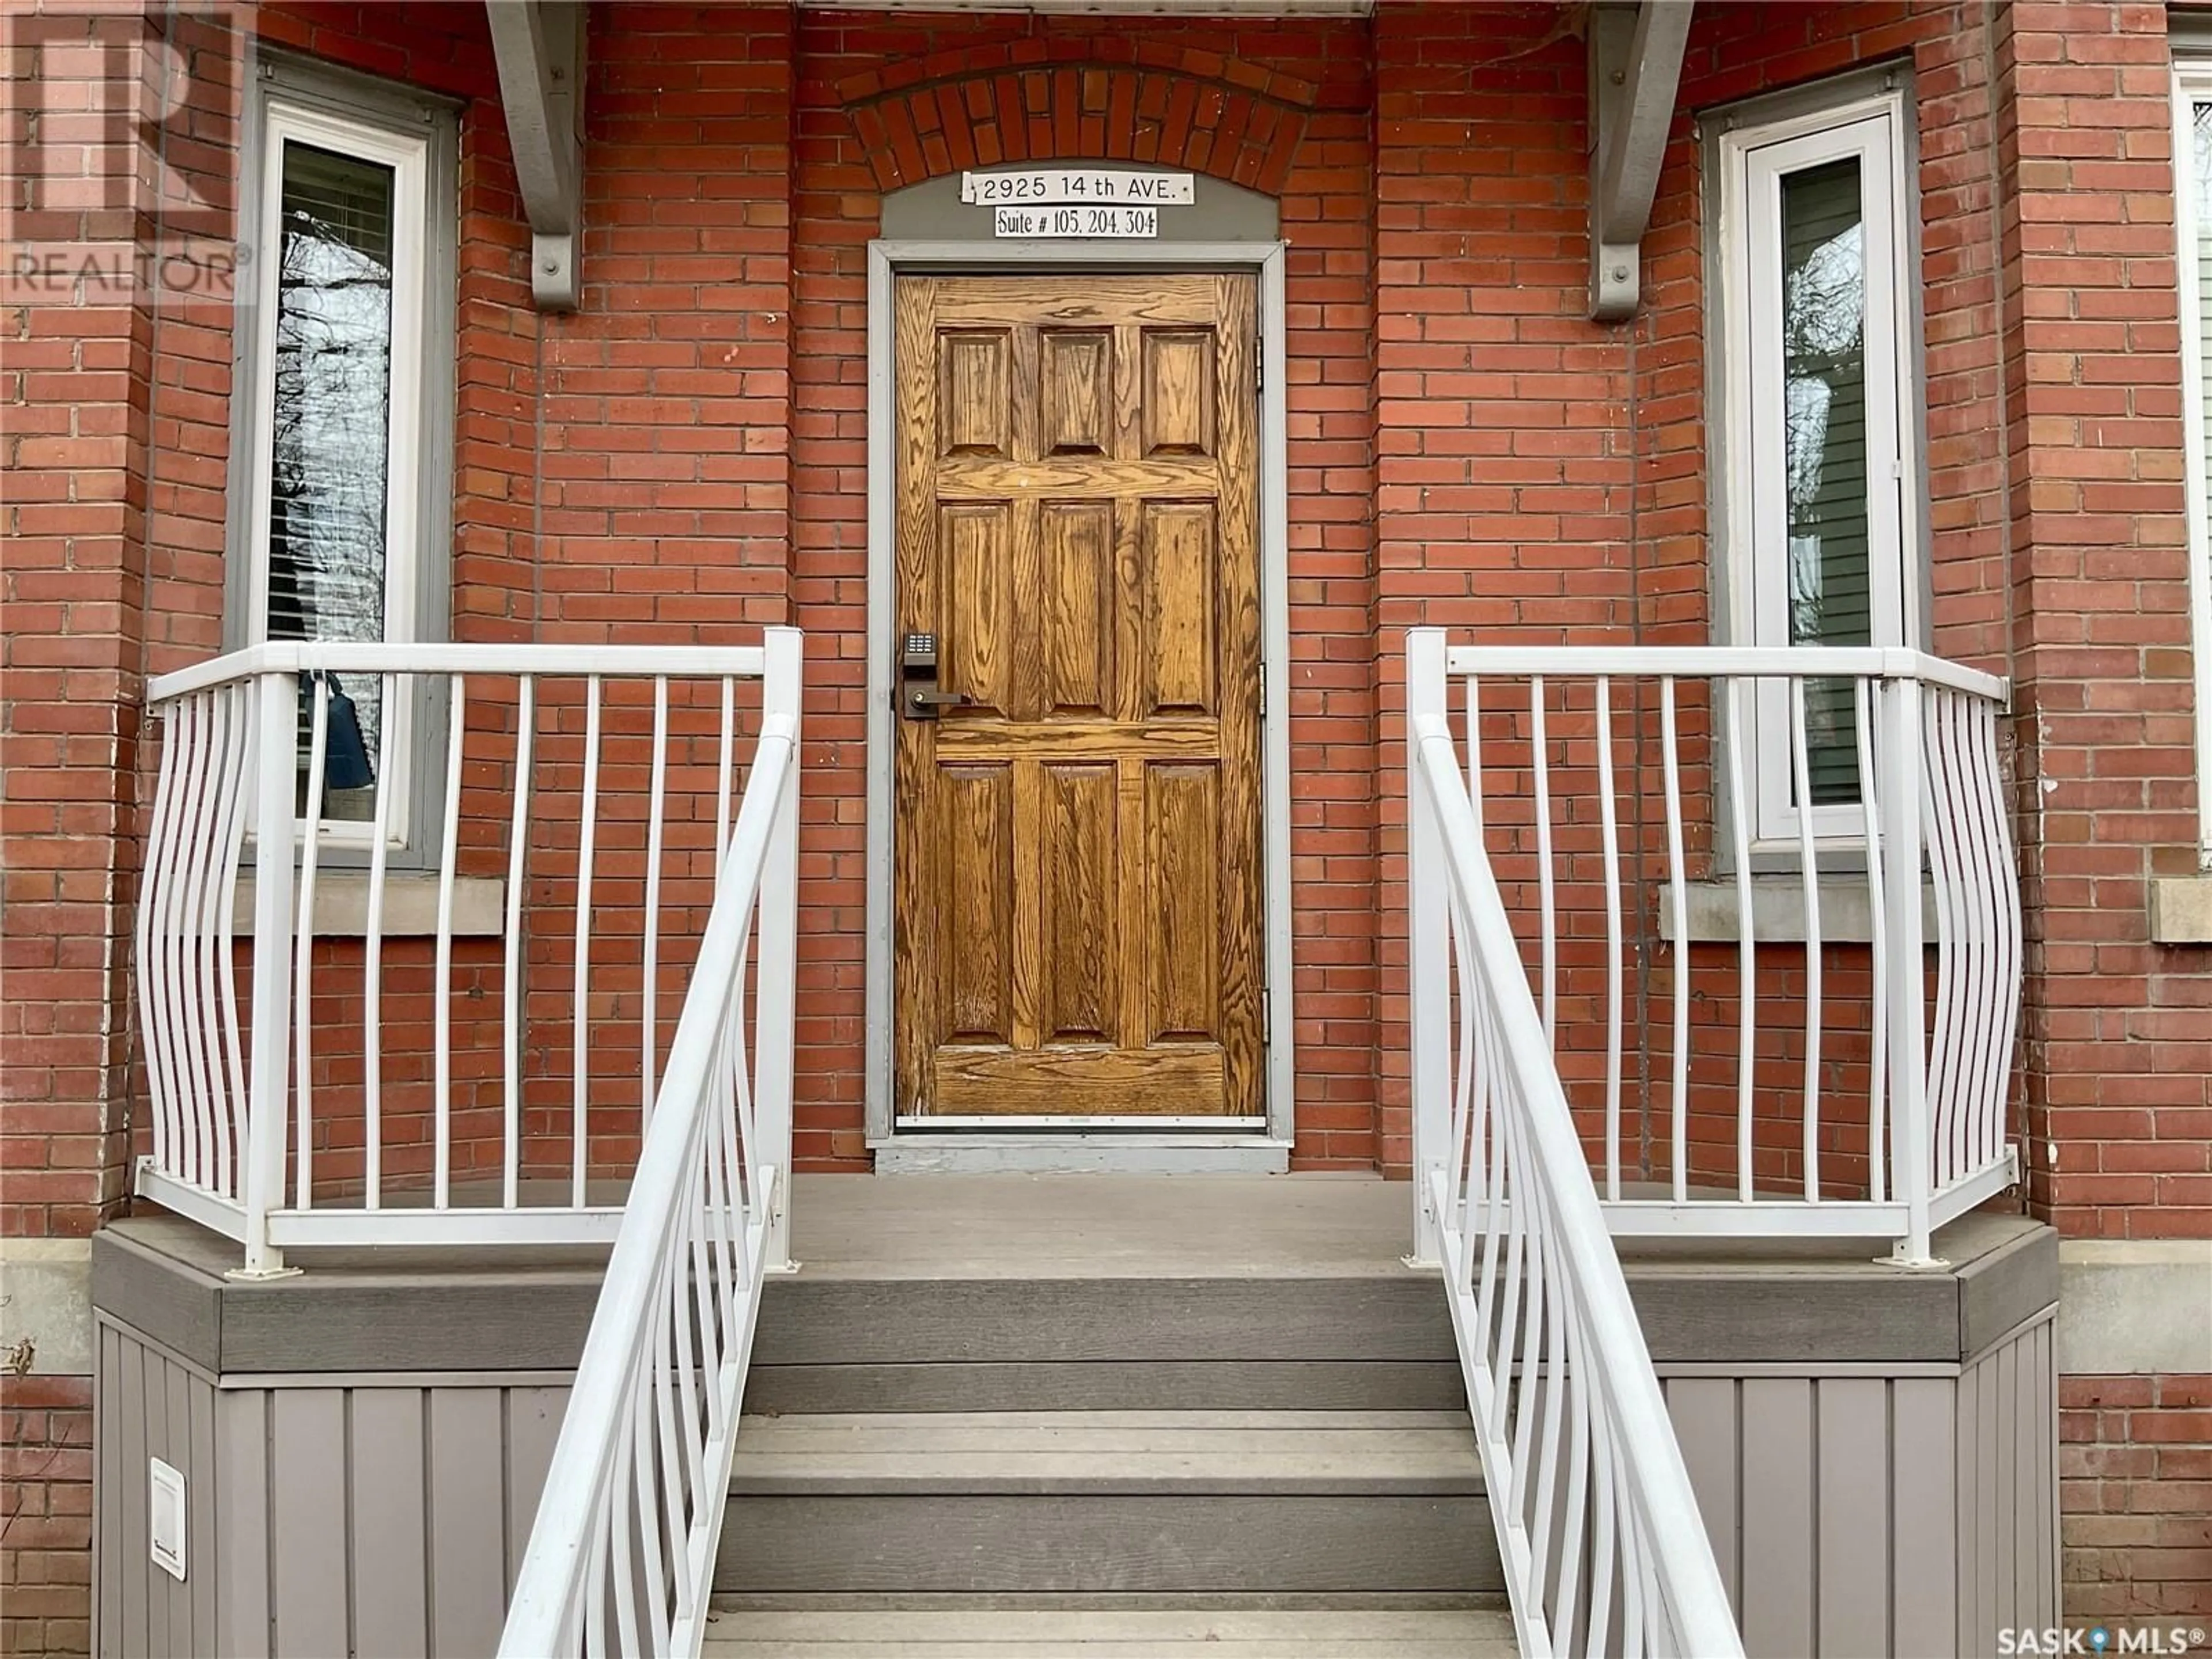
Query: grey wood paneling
{"points": [[1707, 1424], [383, 1522], [391, 1616], [1779, 1470], [132, 1631], [307, 1517], [1861, 1514], [1924, 1544], [107, 1567], [148, 1406], [1852, 1502], [468, 1522], [2006, 1458], [241, 1544], [533, 1423]]}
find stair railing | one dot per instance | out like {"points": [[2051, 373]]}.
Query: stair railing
{"points": [[1598, 1528], [620, 1556]]}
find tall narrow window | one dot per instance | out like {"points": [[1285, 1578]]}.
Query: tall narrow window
{"points": [[1818, 502], [2192, 150], [337, 432]]}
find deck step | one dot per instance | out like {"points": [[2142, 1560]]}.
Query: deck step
{"points": [[1104, 1502], [1092, 1633]]}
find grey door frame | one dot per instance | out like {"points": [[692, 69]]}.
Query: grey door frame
{"points": [[887, 261]]}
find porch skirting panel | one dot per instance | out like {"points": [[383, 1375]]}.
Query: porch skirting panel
{"points": [[1870, 1509], [1874, 1449], [324, 1514]]}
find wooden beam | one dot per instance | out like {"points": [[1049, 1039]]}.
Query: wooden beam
{"points": [[1635, 66], [539, 47]]}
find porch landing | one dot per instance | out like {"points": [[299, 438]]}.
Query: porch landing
{"points": [[998, 1248]]}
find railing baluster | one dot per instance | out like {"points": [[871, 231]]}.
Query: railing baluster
{"points": [[1901, 759], [1614, 946], [1571, 1535], [2011, 943], [1539, 749], [518, 854], [390, 688], [1945, 1115], [1739, 739], [153, 983], [311, 843], [276, 727], [722, 772], [1878, 947], [1809, 867], [441, 1181], [185, 1109], [205, 897], [1678, 885], [649, 1024], [1978, 838], [580, 994], [238, 780]]}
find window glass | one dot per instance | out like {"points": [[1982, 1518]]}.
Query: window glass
{"points": [[1823, 246], [330, 428]]}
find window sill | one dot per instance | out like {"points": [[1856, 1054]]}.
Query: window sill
{"points": [[410, 905], [1777, 911], [2181, 910]]}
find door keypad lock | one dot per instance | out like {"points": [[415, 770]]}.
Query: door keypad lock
{"points": [[919, 699]]}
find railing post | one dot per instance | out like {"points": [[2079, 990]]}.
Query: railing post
{"points": [[268, 1109], [776, 1001], [1900, 764], [1428, 960]]}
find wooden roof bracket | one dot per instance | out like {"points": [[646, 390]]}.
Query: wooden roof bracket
{"points": [[1635, 64], [539, 47]]}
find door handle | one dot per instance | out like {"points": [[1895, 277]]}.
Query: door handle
{"points": [[923, 701]]}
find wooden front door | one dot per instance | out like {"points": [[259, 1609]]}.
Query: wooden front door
{"points": [[1077, 882]]}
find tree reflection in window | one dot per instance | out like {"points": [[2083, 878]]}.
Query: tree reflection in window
{"points": [[1824, 444], [330, 436]]}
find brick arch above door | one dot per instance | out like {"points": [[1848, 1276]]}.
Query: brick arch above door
{"points": [[1177, 108]]}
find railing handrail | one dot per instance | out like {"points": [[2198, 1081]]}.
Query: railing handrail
{"points": [[1621, 1363], [1692, 661], [585, 1454], [357, 657]]}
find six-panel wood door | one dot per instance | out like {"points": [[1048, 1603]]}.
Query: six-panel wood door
{"points": [[1078, 883]]}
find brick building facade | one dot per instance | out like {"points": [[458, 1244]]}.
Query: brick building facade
{"points": [[683, 457]]}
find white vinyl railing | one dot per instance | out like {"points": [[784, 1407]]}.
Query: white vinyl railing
{"points": [[1810, 1075], [1598, 1528], [573, 807], [621, 1557]]}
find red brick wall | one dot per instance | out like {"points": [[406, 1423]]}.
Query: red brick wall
{"points": [[2119, 1048], [45, 1515], [2135, 1466], [1277, 105]]}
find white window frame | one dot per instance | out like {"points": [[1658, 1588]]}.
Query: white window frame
{"points": [[2192, 87], [1754, 157], [291, 100]]}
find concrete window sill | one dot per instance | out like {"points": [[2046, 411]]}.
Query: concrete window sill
{"points": [[2181, 910], [410, 905], [1777, 910]]}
